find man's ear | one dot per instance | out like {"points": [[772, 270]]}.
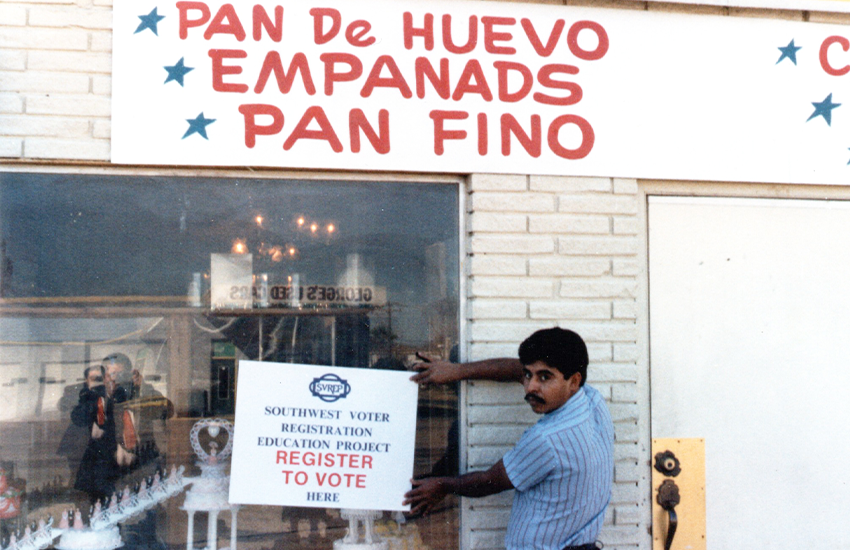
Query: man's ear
{"points": [[575, 382]]}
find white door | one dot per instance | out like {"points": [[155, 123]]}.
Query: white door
{"points": [[749, 306]]}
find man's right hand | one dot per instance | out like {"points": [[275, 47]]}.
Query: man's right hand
{"points": [[434, 371]]}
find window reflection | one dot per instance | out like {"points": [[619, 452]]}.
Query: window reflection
{"points": [[95, 266]]}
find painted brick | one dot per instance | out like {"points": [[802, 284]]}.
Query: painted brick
{"points": [[43, 83], [602, 288], [613, 372], [604, 390], [51, 2], [486, 540], [23, 125], [495, 435], [498, 222], [512, 202], [13, 60], [494, 393], [104, 3], [87, 62], [479, 350], [627, 471], [38, 38], [102, 129], [511, 244], [624, 393], [11, 103], [624, 412], [787, 15], [598, 204], [625, 309], [624, 267], [569, 310], [11, 147], [499, 500], [569, 184], [625, 493], [624, 186], [561, 223], [626, 226], [598, 246], [498, 309], [626, 534], [504, 331], [13, 16], [628, 514], [67, 149], [498, 182], [604, 331], [79, 105], [500, 287], [623, 451], [489, 519], [50, 16], [101, 85], [101, 41], [599, 352], [503, 414], [568, 267], [484, 457], [626, 352], [498, 265]]}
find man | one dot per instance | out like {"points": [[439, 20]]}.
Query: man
{"points": [[95, 413], [561, 468]]}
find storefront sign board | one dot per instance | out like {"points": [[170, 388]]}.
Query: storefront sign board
{"points": [[537, 89], [320, 436]]}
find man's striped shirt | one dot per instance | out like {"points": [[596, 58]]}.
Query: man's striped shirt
{"points": [[562, 469]]}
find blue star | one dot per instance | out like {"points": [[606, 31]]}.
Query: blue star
{"points": [[177, 72], [149, 21], [824, 109], [198, 125], [790, 52]]}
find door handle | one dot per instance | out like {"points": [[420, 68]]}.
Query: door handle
{"points": [[668, 492], [668, 498]]}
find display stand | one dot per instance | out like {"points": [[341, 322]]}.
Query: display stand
{"points": [[209, 492], [353, 540]]}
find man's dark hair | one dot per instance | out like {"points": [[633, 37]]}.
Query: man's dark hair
{"points": [[126, 366], [557, 347], [91, 368]]}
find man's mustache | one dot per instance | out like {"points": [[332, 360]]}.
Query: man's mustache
{"points": [[531, 399]]}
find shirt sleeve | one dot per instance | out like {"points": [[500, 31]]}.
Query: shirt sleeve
{"points": [[530, 461]]}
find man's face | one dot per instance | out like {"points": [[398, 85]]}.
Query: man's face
{"points": [[94, 378], [546, 389], [113, 375]]}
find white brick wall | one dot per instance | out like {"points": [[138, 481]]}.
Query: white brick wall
{"points": [[565, 254], [55, 66]]}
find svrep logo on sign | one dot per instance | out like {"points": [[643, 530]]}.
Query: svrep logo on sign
{"points": [[330, 388]]}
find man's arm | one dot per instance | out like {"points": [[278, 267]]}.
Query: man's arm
{"points": [[432, 371], [426, 493]]}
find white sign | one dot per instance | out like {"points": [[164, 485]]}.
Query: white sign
{"points": [[326, 437], [231, 281], [480, 87]]}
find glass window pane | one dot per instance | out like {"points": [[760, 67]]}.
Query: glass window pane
{"points": [[357, 274]]}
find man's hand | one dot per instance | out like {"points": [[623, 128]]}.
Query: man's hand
{"points": [[426, 494], [434, 371]]}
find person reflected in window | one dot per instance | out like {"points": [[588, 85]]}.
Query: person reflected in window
{"points": [[95, 413]]}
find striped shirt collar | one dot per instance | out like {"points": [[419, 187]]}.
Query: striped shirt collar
{"points": [[574, 411]]}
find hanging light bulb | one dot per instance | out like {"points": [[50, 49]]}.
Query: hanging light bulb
{"points": [[259, 220], [331, 228], [314, 227], [239, 247], [300, 221]]}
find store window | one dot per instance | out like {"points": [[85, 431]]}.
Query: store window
{"points": [[168, 282]]}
